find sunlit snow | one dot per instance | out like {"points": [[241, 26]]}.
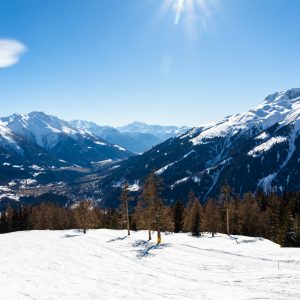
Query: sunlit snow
{"points": [[105, 264]]}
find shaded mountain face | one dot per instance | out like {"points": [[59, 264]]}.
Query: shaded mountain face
{"points": [[39, 143], [259, 149], [135, 142], [162, 132]]}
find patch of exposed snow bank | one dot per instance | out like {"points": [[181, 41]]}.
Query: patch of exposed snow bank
{"points": [[100, 143], [134, 187], [120, 148], [266, 146], [185, 179]]}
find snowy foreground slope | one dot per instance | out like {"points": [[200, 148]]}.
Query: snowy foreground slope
{"points": [[105, 264]]}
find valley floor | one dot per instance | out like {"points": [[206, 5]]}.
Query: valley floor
{"points": [[105, 264]]}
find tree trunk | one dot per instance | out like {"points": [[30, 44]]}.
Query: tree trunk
{"points": [[149, 229], [127, 218], [227, 220], [158, 236], [158, 230], [84, 230]]}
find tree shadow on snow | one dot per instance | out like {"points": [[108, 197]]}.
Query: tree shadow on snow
{"points": [[117, 239], [70, 235], [238, 240], [145, 247]]}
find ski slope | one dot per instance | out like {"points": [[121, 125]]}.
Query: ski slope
{"points": [[105, 264]]}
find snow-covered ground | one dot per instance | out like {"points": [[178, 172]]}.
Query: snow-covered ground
{"points": [[105, 264]]}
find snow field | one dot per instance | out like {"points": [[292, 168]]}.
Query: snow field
{"points": [[106, 264]]}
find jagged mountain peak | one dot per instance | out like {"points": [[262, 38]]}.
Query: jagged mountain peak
{"points": [[291, 94], [274, 109], [39, 114], [44, 129]]}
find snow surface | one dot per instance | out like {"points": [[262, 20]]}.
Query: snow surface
{"points": [[266, 146], [134, 187], [163, 169], [185, 179], [119, 147], [100, 143], [105, 264], [263, 136], [10, 196]]}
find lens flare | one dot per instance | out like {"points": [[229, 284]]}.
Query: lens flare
{"points": [[179, 6], [189, 11]]}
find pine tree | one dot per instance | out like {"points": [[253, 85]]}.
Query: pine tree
{"points": [[187, 226], [261, 200], [83, 215], [287, 235], [125, 210], [249, 216], [226, 195], [211, 218], [153, 203], [196, 218], [178, 210]]}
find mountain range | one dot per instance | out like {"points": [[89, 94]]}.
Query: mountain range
{"points": [[256, 150], [42, 149], [251, 151], [136, 137]]}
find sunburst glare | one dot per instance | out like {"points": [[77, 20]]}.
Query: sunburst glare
{"points": [[193, 15]]}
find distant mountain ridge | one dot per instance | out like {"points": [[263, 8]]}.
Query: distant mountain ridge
{"points": [[163, 132], [137, 137], [135, 142]]}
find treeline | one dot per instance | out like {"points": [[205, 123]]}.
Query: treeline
{"points": [[48, 216], [275, 217]]}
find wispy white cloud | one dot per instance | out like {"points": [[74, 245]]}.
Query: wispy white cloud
{"points": [[10, 52]]}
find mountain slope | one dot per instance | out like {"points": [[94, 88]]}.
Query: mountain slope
{"points": [[259, 149]]}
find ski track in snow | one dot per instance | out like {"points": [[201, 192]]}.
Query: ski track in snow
{"points": [[106, 264]]}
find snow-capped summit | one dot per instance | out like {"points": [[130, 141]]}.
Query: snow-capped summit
{"points": [[44, 129], [273, 110], [162, 132], [291, 94]]}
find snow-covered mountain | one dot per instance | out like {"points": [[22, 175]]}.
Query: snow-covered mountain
{"points": [[135, 142], [42, 149], [162, 132], [259, 149], [45, 142]]}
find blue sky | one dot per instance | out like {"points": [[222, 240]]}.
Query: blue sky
{"points": [[116, 61]]}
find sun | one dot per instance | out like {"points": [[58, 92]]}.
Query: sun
{"points": [[187, 8]]}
